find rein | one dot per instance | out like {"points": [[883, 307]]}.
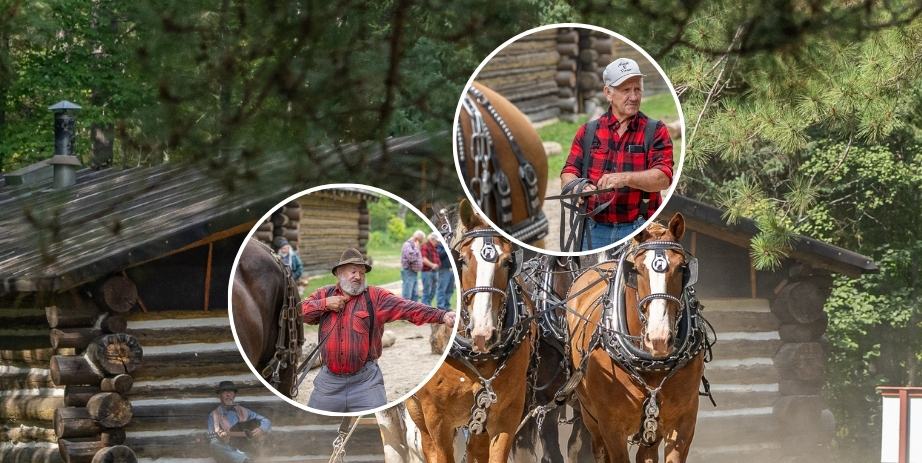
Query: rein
{"points": [[573, 199]]}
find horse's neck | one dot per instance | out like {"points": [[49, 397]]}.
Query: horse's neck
{"points": [[634, 326]]}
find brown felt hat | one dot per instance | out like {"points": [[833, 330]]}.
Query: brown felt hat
{"points": [[351, 256]]}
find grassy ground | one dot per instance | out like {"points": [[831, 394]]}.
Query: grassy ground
{"points": [[385, 252], [660, 106]]}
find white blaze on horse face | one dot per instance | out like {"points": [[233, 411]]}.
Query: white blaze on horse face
{"points": [[658, 328], [481, 307]]}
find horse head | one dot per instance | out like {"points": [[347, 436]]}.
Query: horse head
{"points": [[657, 273], [486, 262]]}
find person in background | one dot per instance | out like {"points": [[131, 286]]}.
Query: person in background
{"points": [[411, 263], [446, 279], [431, 265], [221, 421], [289, 257]]}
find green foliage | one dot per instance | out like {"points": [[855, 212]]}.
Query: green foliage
{"points": [[874, 341], [396, 228]]}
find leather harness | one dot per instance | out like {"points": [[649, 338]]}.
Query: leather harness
{"points": [[489, 185]]}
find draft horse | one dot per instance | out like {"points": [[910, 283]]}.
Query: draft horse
{"points": [[481, 387], [503, 163], [267, 316], [640, 346]]}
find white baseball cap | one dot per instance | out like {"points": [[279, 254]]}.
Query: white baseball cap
{"points": [[620, 70]]}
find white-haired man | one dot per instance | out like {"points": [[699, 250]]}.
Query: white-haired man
{"points": [[352, 317], [411, 263], [623, 149]]}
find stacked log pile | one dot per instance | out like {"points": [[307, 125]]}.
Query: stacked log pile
{"points": [[284, 223], [595, 52], [801, 360], [27, 395], [335, 220], [525, 73], [98, 375], [568, 48]]}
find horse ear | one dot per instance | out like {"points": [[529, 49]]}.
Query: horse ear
{"points": [[466, 212], [677, 226], [644, 234]]}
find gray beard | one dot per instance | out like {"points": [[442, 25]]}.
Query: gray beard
{"points": [[352, 289]]}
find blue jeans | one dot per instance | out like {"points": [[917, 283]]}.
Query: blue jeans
{"points": [[224, 453], [430, 280], [603, 234], [408, 291], [446, 288]]}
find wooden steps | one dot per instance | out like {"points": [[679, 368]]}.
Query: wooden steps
{"points": [[282, 440], [744, 382]]}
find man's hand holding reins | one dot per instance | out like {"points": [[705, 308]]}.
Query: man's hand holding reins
{"points": [[449, 319]]}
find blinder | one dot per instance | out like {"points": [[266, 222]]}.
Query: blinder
{"points": [[661, 264]]}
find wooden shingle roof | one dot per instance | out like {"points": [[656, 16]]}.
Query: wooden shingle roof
{"points": [[53, 240]]}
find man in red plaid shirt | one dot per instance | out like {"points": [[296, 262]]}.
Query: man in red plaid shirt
{"points": [[352, 317], [619, 159]]}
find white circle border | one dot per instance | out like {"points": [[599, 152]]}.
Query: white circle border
{"points": [[675, 177], [230, 289]]}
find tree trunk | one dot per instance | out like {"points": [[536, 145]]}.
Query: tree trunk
{"points": [[73, 451], [73, 370], [115, 353], [79, 395], [110, 409], [121, 384], [118, 294], [71, 310], [115, 454], [74, 422]]}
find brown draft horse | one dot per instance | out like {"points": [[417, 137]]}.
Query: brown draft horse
{"points": [[487, 263], [527, 223], [264, 290], [612, 400]]}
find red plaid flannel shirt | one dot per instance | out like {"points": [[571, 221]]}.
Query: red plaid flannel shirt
{"points": [[430, 252], [610, 154], [347, 348]]}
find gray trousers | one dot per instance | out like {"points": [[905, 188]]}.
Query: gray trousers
{"points": [[362, 391]]}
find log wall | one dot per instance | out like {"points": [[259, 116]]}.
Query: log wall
{"points": [[28, 397], [333, 221], [559, 72]]}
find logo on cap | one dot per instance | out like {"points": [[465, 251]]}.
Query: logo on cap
{"points": [[624, 65]]}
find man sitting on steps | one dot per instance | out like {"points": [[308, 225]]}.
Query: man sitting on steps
{"points": [[233, 428]]}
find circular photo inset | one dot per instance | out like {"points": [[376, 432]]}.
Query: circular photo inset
{"points": [[569, 138], [334, 296]]}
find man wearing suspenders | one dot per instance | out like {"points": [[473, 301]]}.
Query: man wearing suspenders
{"points": [[622, 149], [352, 317]]}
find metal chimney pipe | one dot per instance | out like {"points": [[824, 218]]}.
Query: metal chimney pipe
{"points": [[64, 162]]}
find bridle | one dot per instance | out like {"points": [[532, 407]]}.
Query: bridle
{"points": [[489, 252], [660, 264], [509, 335]]}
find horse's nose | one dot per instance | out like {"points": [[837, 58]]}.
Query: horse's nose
{"points": [[480, 336]]}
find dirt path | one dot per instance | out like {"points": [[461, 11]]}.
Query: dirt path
{"points": [[552, 212]]}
